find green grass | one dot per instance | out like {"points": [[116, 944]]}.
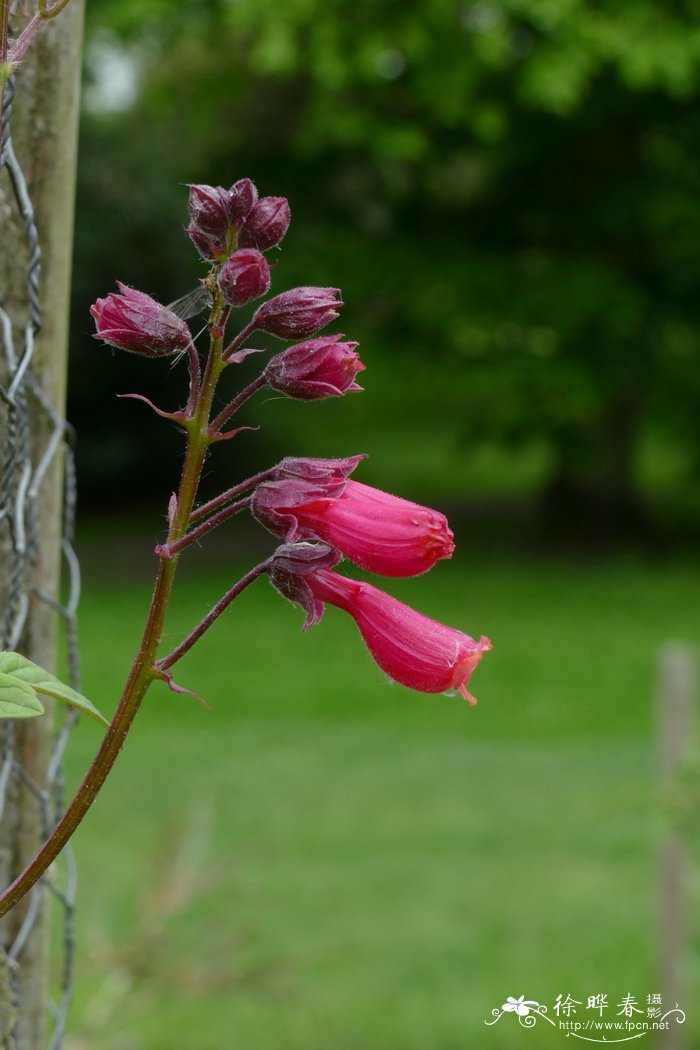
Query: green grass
{"points": [[326, 862]]}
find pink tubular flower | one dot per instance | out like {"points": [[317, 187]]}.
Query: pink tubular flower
{"points": [[298, 312], [134, 321], [317, 368], [411, 648], [243, 277], [380, 532]]}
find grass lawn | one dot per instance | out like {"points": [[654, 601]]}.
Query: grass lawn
{"points": [[326, 862]]}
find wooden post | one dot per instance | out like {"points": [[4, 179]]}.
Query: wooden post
{"points": [[44, 127], [676, 692]]}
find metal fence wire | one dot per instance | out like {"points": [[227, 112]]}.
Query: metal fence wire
{"points": [[23, 469]]}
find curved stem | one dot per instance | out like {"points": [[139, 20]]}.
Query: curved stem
{"points": [[24, 41], [169, 550], [230, 494], [143, 670], [213, 614], [239, 400], [239, 340]]}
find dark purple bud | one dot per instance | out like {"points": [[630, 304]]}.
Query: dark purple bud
{"points": [[133, 321], [245, 276], [209, 247], [210, 210], [299, 312], [267, 223], [291, 564], [242, 195], [311, 468], [323, 367]]}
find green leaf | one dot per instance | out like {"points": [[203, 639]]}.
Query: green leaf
{"points": [[29, 675], [18, 700]]}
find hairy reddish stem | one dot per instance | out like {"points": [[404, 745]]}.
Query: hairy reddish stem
{"points": [[233, 406], [213, 614], [230, 494], [169, 550], [238, 341]]}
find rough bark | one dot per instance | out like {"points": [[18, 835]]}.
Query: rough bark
{"points": [[44, 130]]}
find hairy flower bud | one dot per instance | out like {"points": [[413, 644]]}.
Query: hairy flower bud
{"points": [[210, 209], [323, 367], [242, 195], [211, 248], [299, 312], [243, 277], [267, 223], [291, 564], [134, 321]]}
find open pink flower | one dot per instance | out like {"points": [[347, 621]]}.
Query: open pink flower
{"points": [[380, 532], [411, 648]]}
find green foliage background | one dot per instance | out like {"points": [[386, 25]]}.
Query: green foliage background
{"points": [[507, 193]]}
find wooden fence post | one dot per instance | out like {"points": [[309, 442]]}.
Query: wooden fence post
{"points": [[44, 124], [675, 726]]}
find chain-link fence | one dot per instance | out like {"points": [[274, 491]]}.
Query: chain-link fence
{"points": [[24, 467]]}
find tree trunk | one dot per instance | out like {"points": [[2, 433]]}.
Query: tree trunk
{"points": [[44, 132]]}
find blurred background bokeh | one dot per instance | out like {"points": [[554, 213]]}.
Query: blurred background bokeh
{"points": [[508, 194]]}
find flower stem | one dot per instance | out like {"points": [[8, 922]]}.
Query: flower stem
{"points": [[230, 494], [143, 670], [239, 340], [213, 614], [211, 523], [239, 400]]}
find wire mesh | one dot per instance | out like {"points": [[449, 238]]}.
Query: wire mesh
{"points": [[23, 472]]}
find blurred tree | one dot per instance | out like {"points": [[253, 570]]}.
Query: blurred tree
{"points": [[511, 191]]}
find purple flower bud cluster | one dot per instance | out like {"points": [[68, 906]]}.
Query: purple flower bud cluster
{"points": [[223, 219]]}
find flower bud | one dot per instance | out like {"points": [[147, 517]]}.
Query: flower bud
{"points": [[267, 223], [323, 367], [210, 210], [299, 312], [209, 247], [243, 277], [291, 564], [134, 321], [242, 195]]}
